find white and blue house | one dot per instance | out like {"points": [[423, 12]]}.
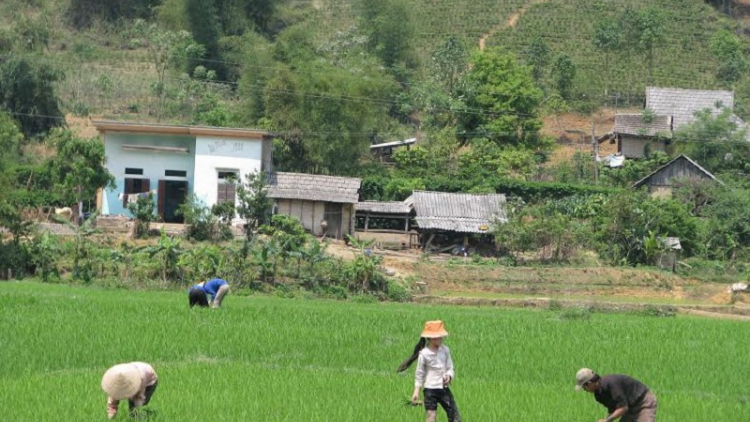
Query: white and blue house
{"points": [[173, 162]]}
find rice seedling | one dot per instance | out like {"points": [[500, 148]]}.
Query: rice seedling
{"points": [[272, 359]]}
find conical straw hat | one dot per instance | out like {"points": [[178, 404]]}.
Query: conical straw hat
{"points": [[434, 329], [122, 381]]}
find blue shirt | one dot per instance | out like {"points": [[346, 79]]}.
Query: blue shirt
{"points": [[212, 286]]}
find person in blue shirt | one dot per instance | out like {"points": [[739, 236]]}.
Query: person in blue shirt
{"points": [[216, 288]]}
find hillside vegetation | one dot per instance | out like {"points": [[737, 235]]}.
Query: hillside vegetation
{"points": [[106, 75], [474, 81]]}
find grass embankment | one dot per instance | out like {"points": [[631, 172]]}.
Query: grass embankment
{"points": [[272, 359]]}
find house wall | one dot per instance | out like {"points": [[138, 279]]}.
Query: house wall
{"points": [[153, 164], [347, 220], [680, 169], [310, 214], [214, 154], [635, 147], [660, 184], [663, 192]]}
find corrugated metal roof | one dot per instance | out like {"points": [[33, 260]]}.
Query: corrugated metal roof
{"points": [[679, 157], [682, 104], [460, 212], [633, 124], [383, 207], [312, 187], [394, 143]]}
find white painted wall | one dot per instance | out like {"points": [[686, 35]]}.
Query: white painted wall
{"points": [[214, 154], [153, 163]]}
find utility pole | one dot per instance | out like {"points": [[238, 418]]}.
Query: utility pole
{"points": [[595, 148]]}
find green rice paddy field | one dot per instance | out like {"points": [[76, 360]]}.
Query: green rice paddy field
{"points": [[272, 359]]}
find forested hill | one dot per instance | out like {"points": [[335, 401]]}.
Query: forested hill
{"points": [[357, 71]]}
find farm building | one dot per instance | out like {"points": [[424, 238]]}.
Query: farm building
{"points": [[682, 104], [383, 152], [173, 162], [324, 204], [450, 214], [662, 180], [637, 137], [387, 223], [672, 109]]}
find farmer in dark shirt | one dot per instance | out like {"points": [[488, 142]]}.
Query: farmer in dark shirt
{"points": [[625, 398]]}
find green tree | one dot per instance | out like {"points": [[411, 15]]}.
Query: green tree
{"points": [[203, 20], [564, 73], [328, 116], [83, 267], [167, 50], [79, 166], [502, 101], [10, 149], [649, 33], [449, 63], [81, 13], [608, 39], [538, 56], [254, 203], [727, 49], [388, 26], [715, 140], [626, 220], [726, 231], [27, 91]]}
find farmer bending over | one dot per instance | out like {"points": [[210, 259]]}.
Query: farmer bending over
{"points": [[135, 381], [215, 287], [625, 398]]}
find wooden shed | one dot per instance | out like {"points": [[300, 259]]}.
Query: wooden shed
{"points": [[384, 152], [324, 204], [460, 213], [387, 223], [661, 181]]}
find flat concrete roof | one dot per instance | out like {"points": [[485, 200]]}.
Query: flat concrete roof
{"points": [[104, 126]]}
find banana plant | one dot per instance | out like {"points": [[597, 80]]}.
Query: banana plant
{"points": [[167, 251], [265, 257]]}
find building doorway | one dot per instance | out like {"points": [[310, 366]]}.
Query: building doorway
{"points": [[172, 194], [332, 217]]}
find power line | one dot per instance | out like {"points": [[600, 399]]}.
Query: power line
{"points": [[675, 141]]}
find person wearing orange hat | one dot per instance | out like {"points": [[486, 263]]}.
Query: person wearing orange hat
{"points": [[134, 381], [434, 372], [625, 398]]}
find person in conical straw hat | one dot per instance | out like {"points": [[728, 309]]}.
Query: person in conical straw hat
{"points": [[625, 398], [434, 372], [134, 381]]}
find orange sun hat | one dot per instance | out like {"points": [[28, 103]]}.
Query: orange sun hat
{"points": [[434, 329]]}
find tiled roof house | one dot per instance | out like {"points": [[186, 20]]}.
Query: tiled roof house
{"points": [[324, 204]]}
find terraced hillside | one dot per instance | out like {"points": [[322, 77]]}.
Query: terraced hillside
{"points": [[105, 76]]}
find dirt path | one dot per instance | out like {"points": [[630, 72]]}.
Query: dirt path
{"points": [[717, 315], [400, 262], [509, 23]]}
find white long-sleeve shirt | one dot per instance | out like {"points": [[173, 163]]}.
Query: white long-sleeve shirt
{"points": [[432, 367]]}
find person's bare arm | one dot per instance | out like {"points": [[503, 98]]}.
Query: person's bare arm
{"points": [[617, 414]]}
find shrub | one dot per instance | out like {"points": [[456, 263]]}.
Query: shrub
{"points": [[143, 211], [576, 313], [396, 292]]}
